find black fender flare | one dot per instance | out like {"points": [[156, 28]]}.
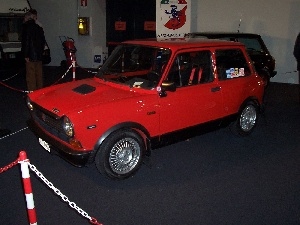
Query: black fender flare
{"points": [[250, 99], [124, 125]]}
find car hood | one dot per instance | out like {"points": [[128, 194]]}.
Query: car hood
{"points": [[78, 95]]}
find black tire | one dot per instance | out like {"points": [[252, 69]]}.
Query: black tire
{"points": [[246, 120], [120, 155]]}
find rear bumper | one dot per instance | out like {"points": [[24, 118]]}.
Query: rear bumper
{"points": [[75, 157]]}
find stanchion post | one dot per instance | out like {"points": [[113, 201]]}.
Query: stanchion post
{"points": [[27, 188], [74, 68]]}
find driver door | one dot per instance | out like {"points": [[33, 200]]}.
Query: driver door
{"points": [[197, 98]]}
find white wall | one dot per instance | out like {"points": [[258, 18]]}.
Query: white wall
{"points": [[277, 21], [59, 18]]}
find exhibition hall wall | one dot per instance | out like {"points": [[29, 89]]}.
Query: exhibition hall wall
{"points": [[278, 22], [275, 20]]}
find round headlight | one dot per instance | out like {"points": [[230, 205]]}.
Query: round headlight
{"points": [[28, 103], [68, 126]]}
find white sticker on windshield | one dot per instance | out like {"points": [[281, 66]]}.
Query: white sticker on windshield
{"points": [[137, 84]]}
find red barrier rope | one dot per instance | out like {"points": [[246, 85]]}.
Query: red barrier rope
{"points": [[9, 78], [15, 89], [94, 221], [5, 168], [73, 65], [62, 76], [28, 189]]}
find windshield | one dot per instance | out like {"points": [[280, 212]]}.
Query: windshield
{"points": [[135, 65]]}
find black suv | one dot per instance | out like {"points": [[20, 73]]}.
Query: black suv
{"points": [[256, 48]]}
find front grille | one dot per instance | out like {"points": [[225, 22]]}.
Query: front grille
{"points": [[49, 120], [50, 123]]}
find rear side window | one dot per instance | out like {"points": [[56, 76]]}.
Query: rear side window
{"points": [[231, 63]]}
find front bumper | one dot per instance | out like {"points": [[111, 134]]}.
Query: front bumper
{"points": [[75, 157]]}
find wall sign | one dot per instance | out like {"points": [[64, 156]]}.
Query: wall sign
{"points": [[14, 6], [150, 25], [173, 18], [83, 25], [120, 25]]}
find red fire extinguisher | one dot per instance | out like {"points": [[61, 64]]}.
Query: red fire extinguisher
{"points": [[70, 50]]}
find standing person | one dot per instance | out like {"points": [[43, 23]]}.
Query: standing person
{"points": [[46, 58], [35, 17], [33, 42], [297, 56]]}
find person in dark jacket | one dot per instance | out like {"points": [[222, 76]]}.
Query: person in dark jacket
{"points": [[33, 42], [297, 56]]}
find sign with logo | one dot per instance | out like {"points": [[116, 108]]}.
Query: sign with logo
{"points": [[173, 18], [100, 56], [97, 58], [120, 25], [14, 6]]}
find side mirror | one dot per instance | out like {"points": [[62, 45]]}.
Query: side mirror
{"points": [[168, 86]]}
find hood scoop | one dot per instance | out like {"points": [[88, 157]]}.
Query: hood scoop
{"points": [[84, 89]]}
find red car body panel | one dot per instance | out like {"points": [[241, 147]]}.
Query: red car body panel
{"points": [[104, 102], [110, 104]]}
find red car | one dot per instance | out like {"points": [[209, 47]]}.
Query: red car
{"points": [[146, 90]]}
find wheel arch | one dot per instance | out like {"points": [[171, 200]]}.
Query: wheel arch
{"points": [[235, 127], [141, 130], [250, 99]]}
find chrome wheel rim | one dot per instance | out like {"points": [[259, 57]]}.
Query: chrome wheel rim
{"points": [[248, 118], [124, 155]]}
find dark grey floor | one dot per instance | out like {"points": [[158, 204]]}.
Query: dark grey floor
{"points": [[215, 178]]}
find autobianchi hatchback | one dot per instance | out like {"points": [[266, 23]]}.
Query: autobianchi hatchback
{"points": [[145, 91]]}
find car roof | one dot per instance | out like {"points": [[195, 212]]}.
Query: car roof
{"points": [[224, 34], [183, 42]]}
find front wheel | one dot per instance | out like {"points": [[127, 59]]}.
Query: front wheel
{"points": [[246, 120], [120, 155]]}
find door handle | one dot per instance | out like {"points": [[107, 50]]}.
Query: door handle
{"points": [[215, 89]]}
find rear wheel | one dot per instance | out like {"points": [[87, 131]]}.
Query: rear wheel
{"points": [[246, 120], [120, 155]]}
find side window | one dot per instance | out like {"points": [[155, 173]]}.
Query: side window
{"points": [[191, 68], [231, 64]]}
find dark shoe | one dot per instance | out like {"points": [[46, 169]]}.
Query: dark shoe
{"points": [[4, 132]]}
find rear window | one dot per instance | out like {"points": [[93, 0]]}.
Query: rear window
{"points": [[251, 44], [231, 64]]}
